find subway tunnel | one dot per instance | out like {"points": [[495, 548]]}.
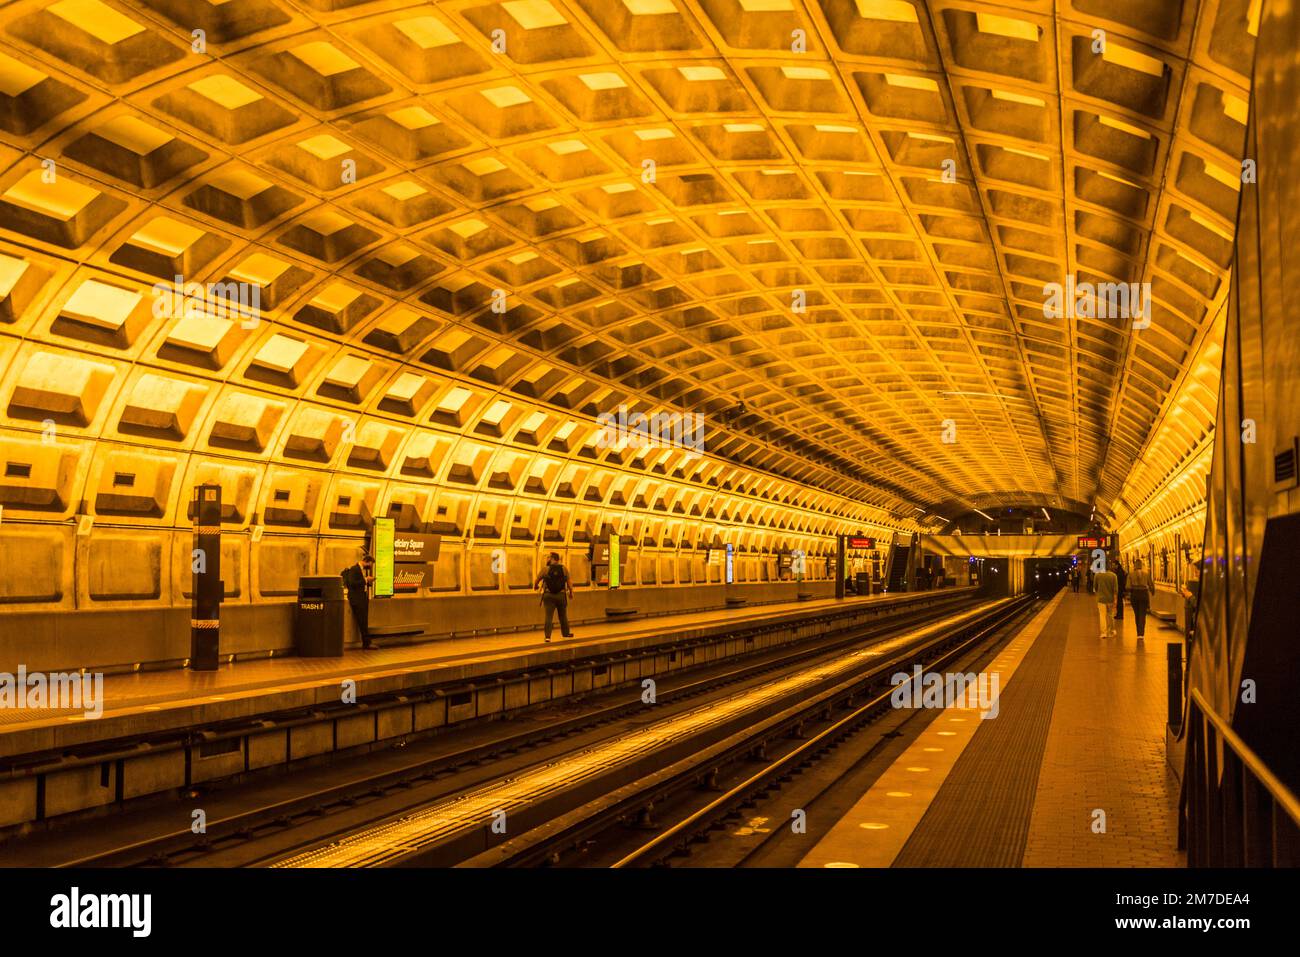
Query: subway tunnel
{"points": [[736, 306]]}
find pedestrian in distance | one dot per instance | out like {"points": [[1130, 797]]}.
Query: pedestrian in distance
{"points": [[1121, 577], [556, 589], [1090, 580], [1107, 586], [1074, 580], [1139, 596], [357, 579]]}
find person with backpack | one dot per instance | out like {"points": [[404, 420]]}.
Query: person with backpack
{"points": [[357, 579], [556, 589]]}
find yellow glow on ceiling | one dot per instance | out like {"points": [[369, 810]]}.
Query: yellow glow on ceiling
{"points": [[540, 204], [167, 236], [834, 128], [1029, 153], [1131, 59], [647, 8], [534, 14], [804, 73], [16, 78], [203, 333], [454, 399], [1236, 108], [1252, 17], [281, 353], [427, 32], [505, 96], [1006, 27], [896, 11], [239, 182], [615, 188], [1123, 127], [518, 259], [61, 199], [468, 227], [912, 82], [324, 146], [1211, 226], [484, 165], [743, 127], [929, 137], [602, 81], [658, 134], [98, 19], [567, 147], [1118, 179], [259, 269], [134, 134], [406, 189], [325, 58], [336, 297], [1226, 177], [225, 91], [1022, 98], [348, 371], [102, 304], [326, 222], [766, 6], [407, 386], [701, 74], [413, 118]]}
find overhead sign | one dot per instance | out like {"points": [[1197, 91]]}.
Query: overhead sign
{"points": [[413, 547], [1094, 541], [613, 561], [857, 541], [731, 566], [383, 558]]}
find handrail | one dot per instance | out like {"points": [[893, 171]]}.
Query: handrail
{"points": [[1250, 760]]}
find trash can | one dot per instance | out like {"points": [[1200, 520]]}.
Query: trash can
{"points": [[864, 583], [318, 619]]}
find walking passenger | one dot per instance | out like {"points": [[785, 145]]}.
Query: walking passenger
{"points": [[1107, 588], [1139, 596], [556, 589], [1074, 579]]}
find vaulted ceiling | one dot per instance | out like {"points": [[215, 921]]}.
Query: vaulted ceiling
{"points": [[840, 214]]}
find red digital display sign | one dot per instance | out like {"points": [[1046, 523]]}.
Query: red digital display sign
{"points": [[855, 541], [1094, 541]]}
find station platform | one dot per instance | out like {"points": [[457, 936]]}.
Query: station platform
{"points": [[1069, 772], [156, 700]]}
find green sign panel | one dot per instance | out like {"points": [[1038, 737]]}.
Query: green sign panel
{"points": [[613, 561], [383, 558]]}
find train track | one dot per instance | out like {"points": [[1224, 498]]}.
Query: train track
{"points": [[531, 817], [264, 831]]}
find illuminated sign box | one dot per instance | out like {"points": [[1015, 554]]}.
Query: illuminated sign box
{"points": [[383, 558], [1094, 541], [856, 541]]}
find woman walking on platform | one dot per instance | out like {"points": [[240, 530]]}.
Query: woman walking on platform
{"points": [[1139, 596]]}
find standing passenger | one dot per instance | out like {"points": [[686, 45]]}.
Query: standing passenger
{"points": [[1122, 581], [1107, 588], [1074, 579], [357, 580], [1139, 596], [1090, 580], [556, 589]]}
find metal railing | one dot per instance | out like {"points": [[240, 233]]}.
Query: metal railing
{"points": [[1236, 813]]}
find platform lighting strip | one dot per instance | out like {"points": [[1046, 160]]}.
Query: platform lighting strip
{"points": [[382, 843]]}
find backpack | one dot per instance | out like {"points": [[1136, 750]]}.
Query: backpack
{"points": [[556, 579]]}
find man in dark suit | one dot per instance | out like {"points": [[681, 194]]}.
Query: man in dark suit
{"points": [[357, 579]]}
